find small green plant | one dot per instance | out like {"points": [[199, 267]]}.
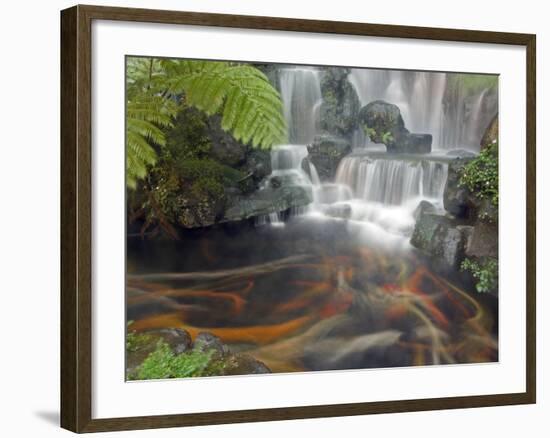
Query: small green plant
{"points": [[480, 175], [370, 132], [136, 341], [163, 363], [387, 137], [485, 273]]}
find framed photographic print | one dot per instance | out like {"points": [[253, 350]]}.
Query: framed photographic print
{"points": [[268, 218]]}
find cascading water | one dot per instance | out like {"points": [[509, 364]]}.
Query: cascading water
{"points": [[430, 102], [375, 191], [301, 94], [392, 181]]}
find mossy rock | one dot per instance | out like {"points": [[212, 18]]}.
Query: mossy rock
{"points": [[383, 124], [325, 153], [340, 106]]}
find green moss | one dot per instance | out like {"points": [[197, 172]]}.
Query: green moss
{"points": [[387, 137], [472, 83], [485, 272], [480, 175], [163, 363], [137, 341], [188, 138]]}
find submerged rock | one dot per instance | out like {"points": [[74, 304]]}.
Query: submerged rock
{"points": [[383, 123], [325, 153], [342, 211]]}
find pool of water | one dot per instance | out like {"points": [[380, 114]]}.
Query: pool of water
{"points": [[314, 294]]}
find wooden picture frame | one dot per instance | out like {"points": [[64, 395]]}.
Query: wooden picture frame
{"points": [[76, 217]]}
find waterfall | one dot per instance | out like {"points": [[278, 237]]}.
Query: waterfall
{"points": [[377, 193], [430, 102], [286, 163], [392, 181], [301, 94]]}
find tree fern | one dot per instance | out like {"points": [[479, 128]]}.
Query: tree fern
{"points": [[251, 108], [147, 111]]}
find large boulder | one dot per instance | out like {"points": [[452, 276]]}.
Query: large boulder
{"points": [[457, 199], [441, 238], [423, 208], [482, 241], [139, 346], [257, 164], [266, 201], [340, 105], [383, 123], [326, 152]]}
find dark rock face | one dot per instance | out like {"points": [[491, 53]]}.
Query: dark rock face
{"points": [[383, 123], [423, 208], [224, 148], [178, 340], [205, 341], [268, 200], [483, 241], [340, 106], [416, 144], [458, 200], [491, 133], [200, 211], [246, 364], [258, 164], [326, 152], [275, 182], [441, 238], [469, 230]]}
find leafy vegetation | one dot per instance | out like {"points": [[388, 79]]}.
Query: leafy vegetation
{"points": [[472, 83], [148, 110], [385, 137], [484, 272], [163, 363], [480, 175], [136, 341], [157, 90]]}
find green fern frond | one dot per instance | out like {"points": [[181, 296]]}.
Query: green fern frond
{"points": [[251, 108]]}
